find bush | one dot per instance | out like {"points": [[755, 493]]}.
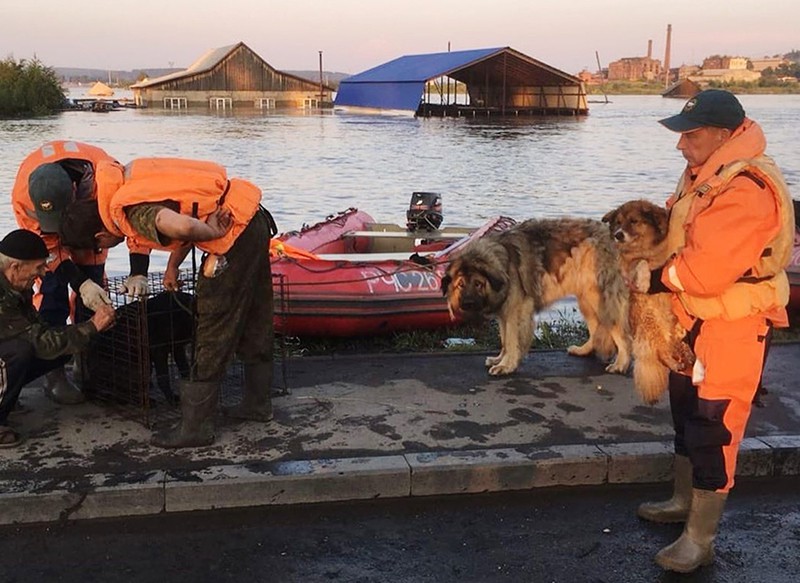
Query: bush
{"points": [[28, 88]]}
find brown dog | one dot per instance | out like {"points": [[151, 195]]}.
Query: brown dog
{"points": [[639, 229], [515, 274]]}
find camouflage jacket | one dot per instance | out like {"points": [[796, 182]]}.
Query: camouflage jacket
{"points": [[19, 319]]}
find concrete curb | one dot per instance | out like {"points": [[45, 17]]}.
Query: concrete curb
{"points": [[393, 476]]}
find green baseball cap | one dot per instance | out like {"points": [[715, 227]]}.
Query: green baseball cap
{"points": [[51, 190], [713, 107]]}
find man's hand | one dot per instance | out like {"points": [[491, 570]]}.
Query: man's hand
{"points": [[220, 221], [93, 296], [171, 281], [135, 286], [103, 317]]}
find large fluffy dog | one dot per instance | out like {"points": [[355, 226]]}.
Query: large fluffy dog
{"points": [[639, 229], [514, 274]]}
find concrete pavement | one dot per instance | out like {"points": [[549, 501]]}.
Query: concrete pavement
{"points": [[369, 426]]}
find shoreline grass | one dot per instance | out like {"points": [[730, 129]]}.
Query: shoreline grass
{"points": [[558, 331]]}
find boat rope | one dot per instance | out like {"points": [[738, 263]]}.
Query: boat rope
{"points": [[402, 267]]}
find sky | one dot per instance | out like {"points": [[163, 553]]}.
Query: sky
{"points": [[355, 35]]}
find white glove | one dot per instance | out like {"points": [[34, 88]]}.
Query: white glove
{"points": [[92, 295], [135, 286]]}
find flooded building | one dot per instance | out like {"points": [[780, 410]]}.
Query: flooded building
{"points": [[684, 89], [486, 82], [229, 77], [635, 68]]}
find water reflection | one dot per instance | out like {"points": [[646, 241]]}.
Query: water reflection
{"points": [[311, 164]]}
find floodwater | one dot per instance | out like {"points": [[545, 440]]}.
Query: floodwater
{"points": [[311, 164]]}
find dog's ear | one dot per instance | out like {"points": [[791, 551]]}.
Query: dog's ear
{"points": [[658, 218], [446, 281], [609, 217], [496, 279]]}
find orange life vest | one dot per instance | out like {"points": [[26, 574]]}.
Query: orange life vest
{"points": [[197, 187], [25, 212], [765, 287]]}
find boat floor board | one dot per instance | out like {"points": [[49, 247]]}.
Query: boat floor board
{"points": [[365, 257], [405, 235]]}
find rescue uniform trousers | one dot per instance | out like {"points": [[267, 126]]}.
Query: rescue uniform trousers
{"points": [[710, 415], [234, 308]]}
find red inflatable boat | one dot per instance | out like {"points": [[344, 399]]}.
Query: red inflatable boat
{"points": [[351, 276]]}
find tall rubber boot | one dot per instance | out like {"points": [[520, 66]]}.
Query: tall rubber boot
{"points": [[196, 427], [58, 388], [695, 547], [676, 509], [256, 403]]}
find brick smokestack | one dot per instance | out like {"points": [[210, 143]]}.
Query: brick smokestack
{"points": [[650, 49], [666, 55]]}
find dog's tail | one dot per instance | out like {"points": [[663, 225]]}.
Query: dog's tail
{"points": [[651, 379]]}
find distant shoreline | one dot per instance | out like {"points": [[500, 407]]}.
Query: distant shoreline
{"points": [[640, 89]]}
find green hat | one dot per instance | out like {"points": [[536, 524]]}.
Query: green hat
{"points": [[713, 107], [51, 190], [24, 245]]}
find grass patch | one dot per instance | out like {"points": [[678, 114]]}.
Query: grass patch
{"points": [[558, 331]]}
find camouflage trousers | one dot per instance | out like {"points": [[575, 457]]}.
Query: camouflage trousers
{"points": [[234, 308]]}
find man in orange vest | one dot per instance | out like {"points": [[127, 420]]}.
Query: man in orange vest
{"points": [[48, 179], [731, 225], [172, 204]]}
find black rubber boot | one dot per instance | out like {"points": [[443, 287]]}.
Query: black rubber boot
{"points": [[58, 388], [676, 509], [196, 427], [695, 547], [256, 403]]}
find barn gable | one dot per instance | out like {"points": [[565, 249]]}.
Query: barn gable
{"points": [[231, 76]]}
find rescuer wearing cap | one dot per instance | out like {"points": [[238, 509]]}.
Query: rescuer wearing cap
{"points": [[49, 179], [29, 347], [731, 226], [172, 204]]}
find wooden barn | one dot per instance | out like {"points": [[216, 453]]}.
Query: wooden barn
{"points": [[231, 77]]}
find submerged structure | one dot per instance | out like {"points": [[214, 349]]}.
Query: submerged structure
{"points": [[487, 82], [684, 89], [228, 77]]}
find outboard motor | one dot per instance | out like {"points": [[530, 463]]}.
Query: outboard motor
{"points": [[425, 212]]}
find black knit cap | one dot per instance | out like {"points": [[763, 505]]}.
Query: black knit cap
{"points": [[24, 245]]}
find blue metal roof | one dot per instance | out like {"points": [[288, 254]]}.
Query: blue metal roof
{"points": [[420, 68], [400, 84]]}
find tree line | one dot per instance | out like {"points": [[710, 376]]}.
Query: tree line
{"points": [[28, 88]]}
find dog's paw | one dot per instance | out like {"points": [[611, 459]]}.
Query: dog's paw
{"points": [[501, 369], [582, 350], [492, 360], [616, 367]]}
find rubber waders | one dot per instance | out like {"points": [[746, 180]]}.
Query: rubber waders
{"points": [[196, 427], [256, 404], [695, 547], [676, 509], [58, 388]]}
